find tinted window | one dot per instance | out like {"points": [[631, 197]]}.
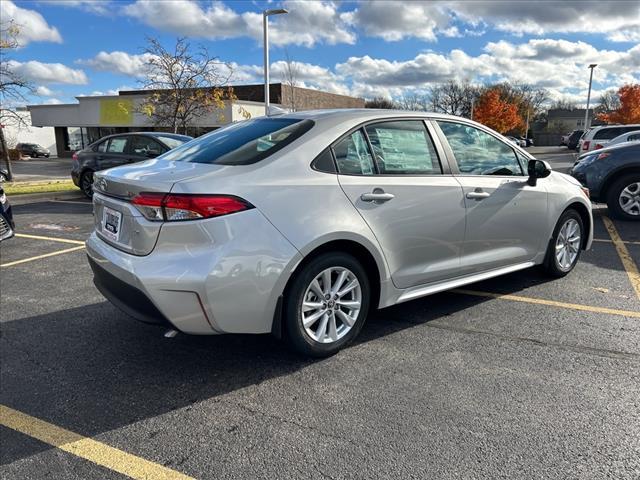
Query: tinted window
{"points": [[145, 146], [102, 147], [478, 153], [403, 147], [241, 143], [608, 133], [117, 145], [353, 156], [634, 136], [324, 162]]}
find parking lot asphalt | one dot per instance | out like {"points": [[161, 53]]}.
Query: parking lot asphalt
{"points": [[515, 377]]}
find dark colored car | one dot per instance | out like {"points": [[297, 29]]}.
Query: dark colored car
{"points": [[32, 150], [613, 176], [119, 149], [572, 143], [6, 217]]}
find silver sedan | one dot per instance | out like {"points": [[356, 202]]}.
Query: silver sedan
{"points": [[299, 224]]}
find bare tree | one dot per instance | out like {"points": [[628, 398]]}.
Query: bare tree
{"points": [[609, 101], [290, 79], [13, 87], [563, 104], [183, 84], [380, 102], [413, 101], [453, 98], [527, 97]]}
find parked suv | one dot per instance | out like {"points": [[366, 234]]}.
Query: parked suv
{"points": [[598, 137], [120, 149], [32, 150], [612, 175]]}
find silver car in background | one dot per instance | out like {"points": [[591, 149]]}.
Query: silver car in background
{"points": [[299, 224]]}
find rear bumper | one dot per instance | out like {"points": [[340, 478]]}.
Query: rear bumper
{"points": [[221, 275]]}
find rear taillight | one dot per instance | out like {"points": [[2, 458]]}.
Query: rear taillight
{"points": [[598, 146], [74, 156], [173, 207], [585, 145]]}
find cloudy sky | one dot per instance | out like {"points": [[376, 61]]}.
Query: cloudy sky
{"points": [[375, 48]]}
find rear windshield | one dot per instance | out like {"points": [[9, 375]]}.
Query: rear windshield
{"points": [[241, 143]]}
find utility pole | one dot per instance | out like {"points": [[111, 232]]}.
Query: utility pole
{"points": [[265, 32], [586, 114]]}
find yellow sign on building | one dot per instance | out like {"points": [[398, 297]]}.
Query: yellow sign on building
{"points": [[116, 111]]}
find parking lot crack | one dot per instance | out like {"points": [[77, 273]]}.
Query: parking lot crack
{"points": [[618, 355]]}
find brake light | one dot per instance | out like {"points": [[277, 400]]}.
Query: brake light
{"points": [[74, 156], [173, 207], [585, 145], [597, 146]]}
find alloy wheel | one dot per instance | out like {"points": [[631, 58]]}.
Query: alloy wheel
{"points": [[331, 305], [629, 199], [568, 244], [87, 183]]}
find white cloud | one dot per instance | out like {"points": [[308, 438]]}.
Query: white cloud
{"points": [[306, 24], [47, 73], [620, 20], [119, 62], [98, 7], [52, 101], [32, 26], [45, 91], [393, 20]]}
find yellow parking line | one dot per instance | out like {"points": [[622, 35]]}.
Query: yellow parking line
{"points": [[627, 262], [31, 259], [606, 240], [86, 448], [51, 239], [551, 303]]}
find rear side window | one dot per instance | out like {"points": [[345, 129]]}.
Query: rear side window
{"points": [[608, 133], [353, 156], [403, 148], [241, 143], [117, 145]]}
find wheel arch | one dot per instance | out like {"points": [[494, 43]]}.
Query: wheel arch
{"points": [[375, 272], [586, 218], [614, 176]]}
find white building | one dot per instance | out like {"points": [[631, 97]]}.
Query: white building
{"points": [[15, 133]]}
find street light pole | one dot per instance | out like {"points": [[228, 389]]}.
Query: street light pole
{"points": [[586, 114], [265, 31]]}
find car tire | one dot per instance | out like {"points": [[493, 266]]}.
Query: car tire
{"points": [[319, 326], [629, 187], [563, 253], [86, 183]]}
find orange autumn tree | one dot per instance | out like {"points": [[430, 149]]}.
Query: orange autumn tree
{"points": [[494, 112], [629, 109]]}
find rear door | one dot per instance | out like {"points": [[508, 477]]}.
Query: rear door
{"points": [[115, 154], [407, 196], [506, 217]]}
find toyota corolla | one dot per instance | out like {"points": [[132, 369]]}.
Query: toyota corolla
{"points": [[300, 224]]}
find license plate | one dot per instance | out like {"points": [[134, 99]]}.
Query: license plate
{"points": [[111, 222]]}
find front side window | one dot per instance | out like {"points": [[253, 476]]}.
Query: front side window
{"points": [[117, 145], [353, 156], [403, 148], [102, 147], [241, 143], [478, 153]]}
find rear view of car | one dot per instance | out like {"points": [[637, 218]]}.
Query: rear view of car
{"points": [[598, 137]]}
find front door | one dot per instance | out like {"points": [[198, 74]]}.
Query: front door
{"points": [[414, 209], [506, 217]]}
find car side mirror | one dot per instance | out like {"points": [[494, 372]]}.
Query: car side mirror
{"points": [[537, 169]]}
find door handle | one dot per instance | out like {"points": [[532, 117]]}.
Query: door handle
{"points": [[377, 196], [478, 194]]}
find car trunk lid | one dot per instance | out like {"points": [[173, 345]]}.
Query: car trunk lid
{"points": [[117, 221]]}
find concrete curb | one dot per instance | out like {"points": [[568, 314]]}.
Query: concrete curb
{"points": [[38, 197]]}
